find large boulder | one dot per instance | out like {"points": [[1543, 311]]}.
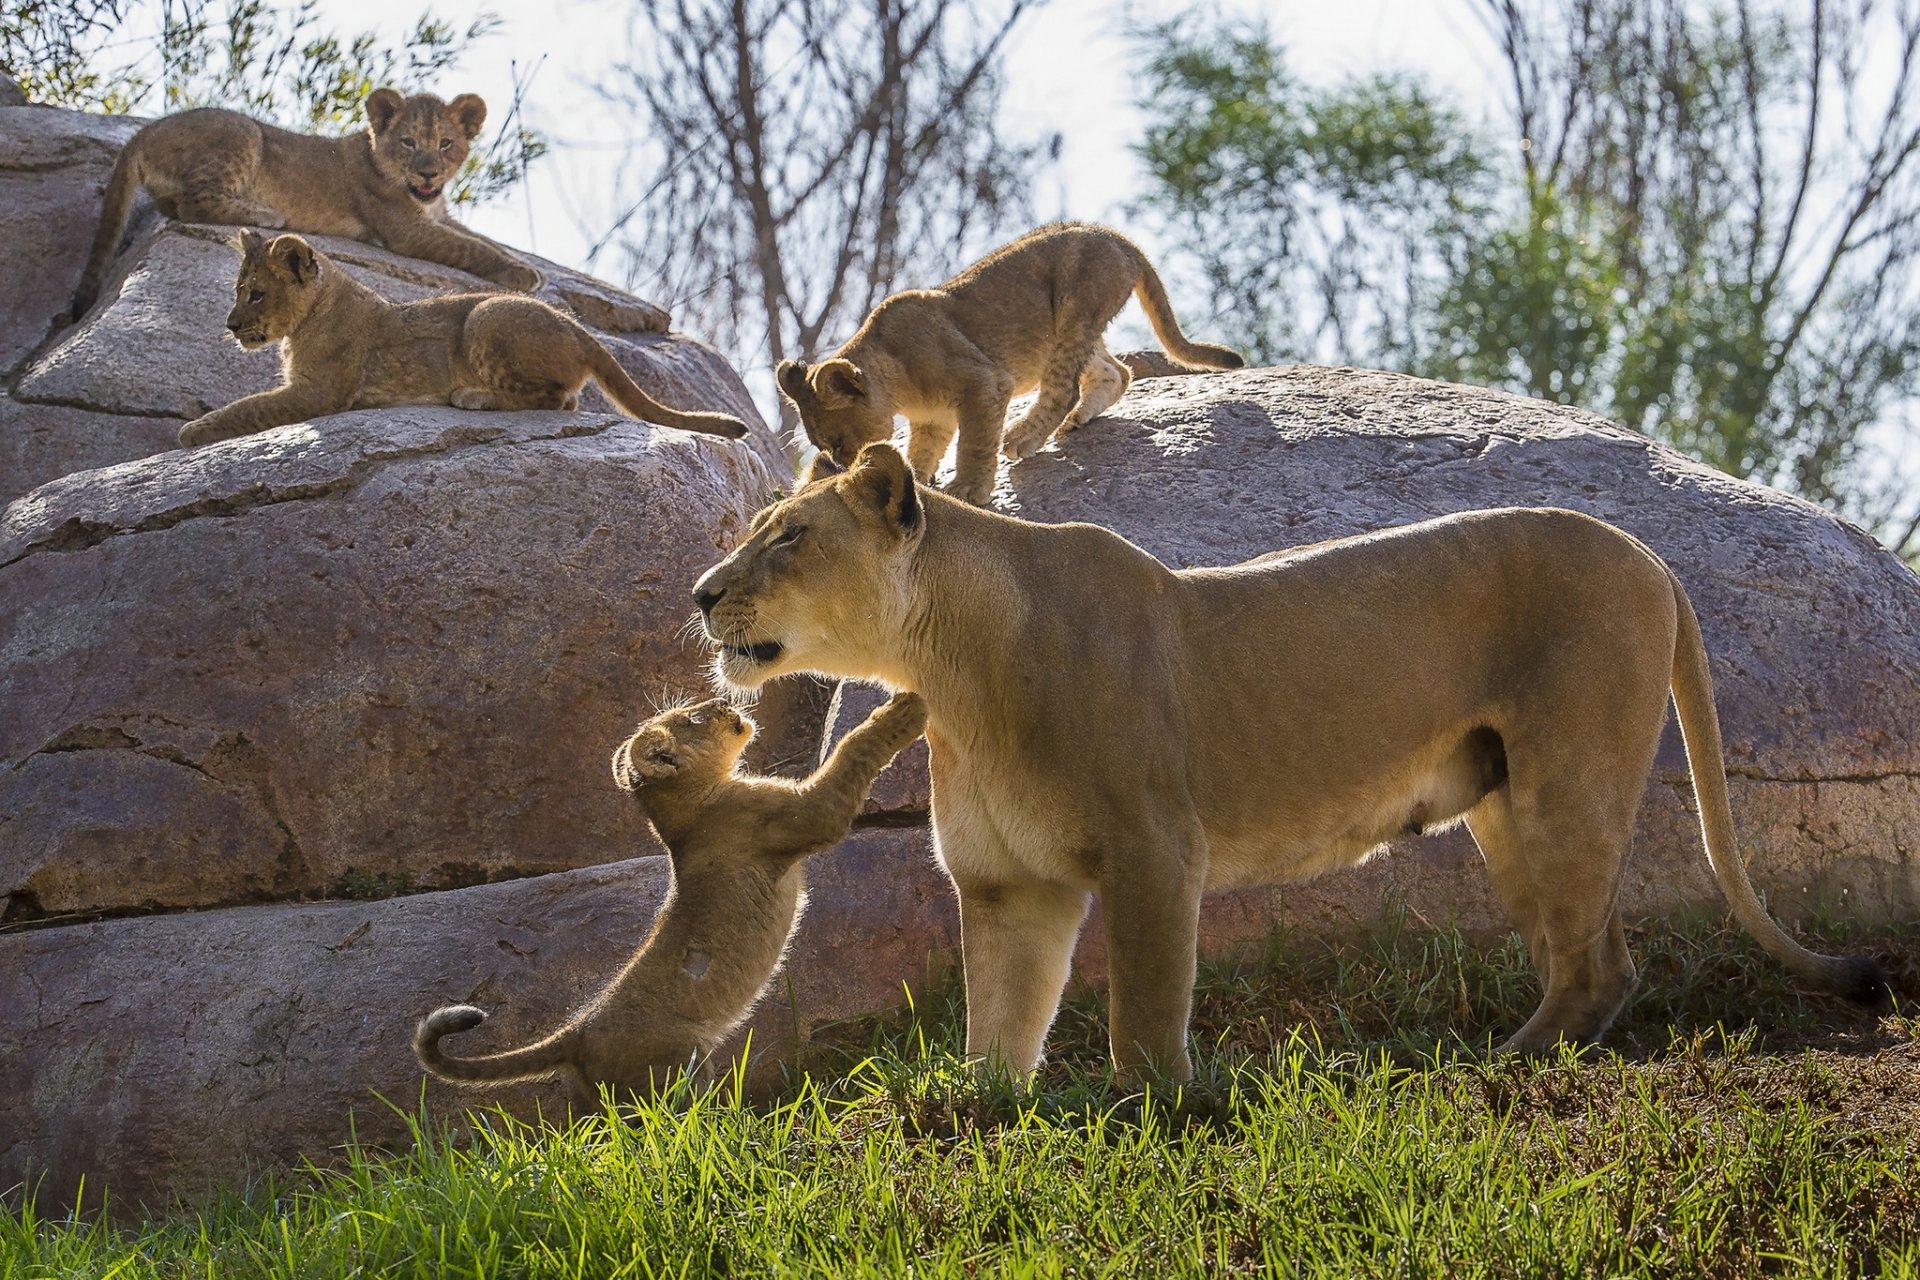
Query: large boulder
{"points": [[164, 1057], [390, 650], [154, 350], [1813, 628]]}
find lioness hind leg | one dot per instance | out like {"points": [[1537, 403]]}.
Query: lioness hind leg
{"points": [[1016, 947]]}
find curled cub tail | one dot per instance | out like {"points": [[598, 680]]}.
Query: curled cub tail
{"points": [[626, 393], [1153, 300], [1855, 978], [129, 173], [543, 1058]]}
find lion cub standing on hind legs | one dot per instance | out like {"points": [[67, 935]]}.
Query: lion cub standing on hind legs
{"points": [[737, 844], [1031, 314], [386, 186], [346, 347]]}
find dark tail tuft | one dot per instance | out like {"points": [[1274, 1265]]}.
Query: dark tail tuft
{"points": [[1864, 983]]}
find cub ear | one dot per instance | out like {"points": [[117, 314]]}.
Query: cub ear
{"points": [[643, 758], [881, 477], [249, 242], [469, 112], [792, 377], [383, 107], [838, 382], [821, 468], [297, 256]]}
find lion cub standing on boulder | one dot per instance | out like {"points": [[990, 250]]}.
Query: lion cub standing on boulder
{"points": [[346, 347], [386, 186], [1031, 314], [737, 844]]}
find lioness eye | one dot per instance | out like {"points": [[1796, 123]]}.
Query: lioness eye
{"points": [[788, 536], [256, 295]]}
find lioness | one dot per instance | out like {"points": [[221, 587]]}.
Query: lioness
{"points": [[1030, 314], [346, 347], [737, 845], [386, 186], [1100, 722]]}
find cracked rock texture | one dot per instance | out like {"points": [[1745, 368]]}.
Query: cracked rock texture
{"points": [[163, 1056], [1812, 627], [154, 350], [400, 644]]}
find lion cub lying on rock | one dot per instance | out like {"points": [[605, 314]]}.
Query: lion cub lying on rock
{"points": [[349, 348], [737, 844], [386, 186], [1030, 314]]}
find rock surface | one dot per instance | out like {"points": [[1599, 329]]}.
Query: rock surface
{"points": [[11, 94], [154, 347], [163, 1056], [399, 645], [1813, 628]]}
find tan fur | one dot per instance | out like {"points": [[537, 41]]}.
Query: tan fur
{"points": [[346, 347], [738, 845], [386, 185], [1100, 723], [1032, 314]]}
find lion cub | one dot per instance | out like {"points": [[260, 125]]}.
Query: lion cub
{"points": [[1030, 314], [386, 186], [737, 845], [346, 347]]}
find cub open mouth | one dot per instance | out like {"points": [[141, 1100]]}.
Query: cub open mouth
{"points": [[422, 191], [764, 651]]}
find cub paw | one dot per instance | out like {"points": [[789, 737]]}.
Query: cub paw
{"points": [[470, 398], [520, 276], [1023, 439], [906, 712], [198, 432], [977, 492]]}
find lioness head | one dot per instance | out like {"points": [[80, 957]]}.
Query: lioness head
{"points": [[838, 405], [821, 577], [276, 287], [421, 142], [702, 741]]}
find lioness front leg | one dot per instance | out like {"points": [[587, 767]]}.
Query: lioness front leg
{"points": [[1016, 948], [1150, 897], [260, 412]]}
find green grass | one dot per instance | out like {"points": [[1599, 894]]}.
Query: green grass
{"points": [[1341, 1125]]}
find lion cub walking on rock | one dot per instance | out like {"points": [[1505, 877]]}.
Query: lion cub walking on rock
{"points": [[737, 844], [1033, 313], [346, 347], [386, 186]]}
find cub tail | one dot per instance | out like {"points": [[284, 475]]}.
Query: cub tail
{"points": [[1854, 978], [1202, 355], [129, 173], [542, 1058], [626, 393]]}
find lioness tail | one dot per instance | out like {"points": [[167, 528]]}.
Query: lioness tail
{"points": [[626, 393], [1153, 300], [540, 1059], [1856, 978], [128, 174]]}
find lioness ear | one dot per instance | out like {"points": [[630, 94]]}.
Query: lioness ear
{"points": [[249, 242], [296, 255], [641, 759], [469, 112], [821, 468], [383, 107], [792, 377], [838, 381], [881, 477]]}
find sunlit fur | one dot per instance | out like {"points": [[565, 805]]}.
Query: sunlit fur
{"points": [[1099, 722]]}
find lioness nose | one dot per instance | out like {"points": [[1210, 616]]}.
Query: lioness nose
{"points": [[706, 597]]}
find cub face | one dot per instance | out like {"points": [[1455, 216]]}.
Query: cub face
{"points": [[419, 143], [277, 285], [822, 577], [840, 410], [699, 741]]}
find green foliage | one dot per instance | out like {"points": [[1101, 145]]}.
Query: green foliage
{"points": [[276, 63], [1707, 228], [1325, 1135]]}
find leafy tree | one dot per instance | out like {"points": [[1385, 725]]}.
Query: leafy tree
{"points": [[1705, 225], [277, 64], [810, 155]]}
